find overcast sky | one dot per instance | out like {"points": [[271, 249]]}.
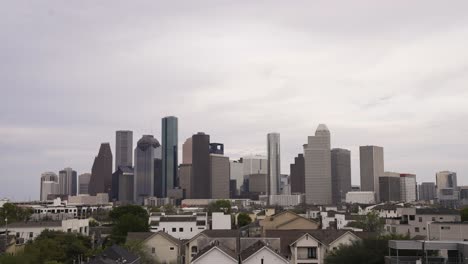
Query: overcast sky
{"points": [[388, 73]]}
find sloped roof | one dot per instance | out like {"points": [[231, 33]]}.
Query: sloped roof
{"points": [[142, 236], [254, 248], [113, 253], [215, 245]]}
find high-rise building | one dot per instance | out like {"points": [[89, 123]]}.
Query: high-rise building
{"points": [[341, 174], [298, 175], [427, 191], [219, 174], [144, 168], [200, 187], [170, 163], [447, 188], [217, 148], [83, 183], [185, 176], [67, 182], [274, 163], [123, 148], [187, 151], [236, 173], [258, 183], [101, 172], [408, 187], [253, 164], [317, 160], [49, 185], [158, 178], [372, 167], [122, 185], [389, 187]]}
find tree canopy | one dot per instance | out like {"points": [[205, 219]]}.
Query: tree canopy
{"points": [[128, 218], [464, 214], [243, 219], [220, 206], [369, 223], [14, 213]]}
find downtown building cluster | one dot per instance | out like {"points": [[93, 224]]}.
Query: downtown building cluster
{"points": [[321, 175]]}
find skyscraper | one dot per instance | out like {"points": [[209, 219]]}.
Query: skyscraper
{"points": [[298, 175], [144, 168], [123, 185], [169, 153], [372, 167], [408, 187], [427, 191], [123, 148], [317, 158], [390, 189], [187, 151], [83, 183], [447, 188], [219, 174], [341, 174], [253, 164], [101, 172], [200, 176], [185, 176], [49, 185], [236, 173], [274, 163], [217, 148], [67, 182]]}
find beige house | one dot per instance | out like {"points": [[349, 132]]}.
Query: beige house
{"points": [[287, 220], [228, 238], [311, 246], [162, 247]]}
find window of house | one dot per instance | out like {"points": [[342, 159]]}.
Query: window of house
{"points": [[312, 253], [416, 229], [153, 250], [445, 228], [69, 230], [261, 261], [171, 248], [164, 229], [174, 229], [31, 234], [181, 229], [17, 234], [441, 218], [420, 219], [194, 250], [433, 218], [412, 217], [191, 229]]}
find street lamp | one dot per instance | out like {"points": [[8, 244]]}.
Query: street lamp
{"points": [[6, 232]]}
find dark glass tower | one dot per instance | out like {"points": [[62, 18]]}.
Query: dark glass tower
{"points": [[298, 175], [123, 148], [101, 172], [144, 168], [169, 154], [200, 178]]}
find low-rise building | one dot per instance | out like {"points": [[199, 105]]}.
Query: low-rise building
{"points": [[220, 221], [284, 200], [287, 220], [360, 197], [424, 251], [415, 221], [98, 199], [454, 231], [180, 226], [160, 246]]}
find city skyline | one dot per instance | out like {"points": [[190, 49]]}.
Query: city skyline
{"points": [[372, 79]]}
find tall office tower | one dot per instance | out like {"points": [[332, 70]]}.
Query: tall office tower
{"points": [[389, 187], [253, 164], [258, 183], [372, 167], [144, 168], [67, 182], [317, 158], [170, 155], [122, 185], [83, 183], [298, 175], [123, 148], [447, 188], [158, 178], [185, 175], [101, 172], [341, 174], [219, 173], [187, 151], [427, 191], [200, 180], [236, 173], [49, 185], [217, 148], [408, 187], [274, 163]]}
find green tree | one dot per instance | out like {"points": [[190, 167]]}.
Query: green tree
{"points": [[369, 251], [243, 219], [137, 248], [14, 213], [369, 223], [464, 214], [169, 209], [220, 206], [129, 218]]}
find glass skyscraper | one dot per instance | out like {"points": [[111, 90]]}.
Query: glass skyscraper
{"points": [[169, 153]]}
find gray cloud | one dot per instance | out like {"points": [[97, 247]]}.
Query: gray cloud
{"points": [[391, 74]]}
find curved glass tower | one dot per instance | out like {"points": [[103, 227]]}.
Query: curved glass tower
{"points": [[144, 168]]}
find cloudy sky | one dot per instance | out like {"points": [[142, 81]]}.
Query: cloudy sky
{"points": [[388, 73]]}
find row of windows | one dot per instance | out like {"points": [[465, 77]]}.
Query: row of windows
{"points": [[181, 229]]}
